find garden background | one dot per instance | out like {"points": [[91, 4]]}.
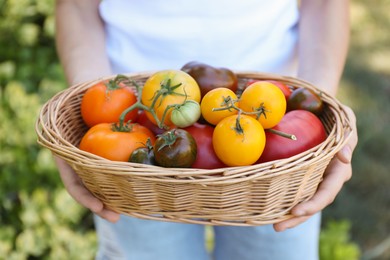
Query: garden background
{"points": [[38, 219]]}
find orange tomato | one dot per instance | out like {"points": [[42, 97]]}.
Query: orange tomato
{"points": [[165, 88], [106, 141], [104, 102], [216, 99], [238, 140], [266, 101]]}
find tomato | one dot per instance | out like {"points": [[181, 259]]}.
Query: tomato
{"points": [[307, 128], [239, 140], [218, 98], [175, 148], [105, 101], [206, 157], [144, 155], [283, 87], [109, 142], [306, 99], [265, 101], [166, 88], [186, 114], [209, 77], [143, 120]]}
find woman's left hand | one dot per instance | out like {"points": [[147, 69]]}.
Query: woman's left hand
{"points": [[337, 173]]}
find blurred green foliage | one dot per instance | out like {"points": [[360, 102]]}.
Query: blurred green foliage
{"points": [[335, 243], [39, 219]]}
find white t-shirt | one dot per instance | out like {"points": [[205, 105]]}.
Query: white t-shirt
{"points": [[239, 34]]}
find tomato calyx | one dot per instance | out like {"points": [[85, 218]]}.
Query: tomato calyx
{"points": [[169, 138], [261, 110], [228, 104], [238, 128], [125, 127], [114, 84], [165, 90]]}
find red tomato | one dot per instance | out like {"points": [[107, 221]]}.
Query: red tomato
{"points": [[283, 87], [307, 128], [105, 102], [206, 157]]}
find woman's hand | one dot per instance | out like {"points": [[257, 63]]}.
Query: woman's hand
{"points": [[78, 191], [337, 173]]}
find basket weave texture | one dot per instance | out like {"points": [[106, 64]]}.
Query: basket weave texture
{"points": [[239, 196]]}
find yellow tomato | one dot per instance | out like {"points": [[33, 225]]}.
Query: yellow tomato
{"points": [[218, 98], [265, 101], [165, 88], [238, 140]]}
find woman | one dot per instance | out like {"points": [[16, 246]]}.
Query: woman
{"points": [[308, 40]]}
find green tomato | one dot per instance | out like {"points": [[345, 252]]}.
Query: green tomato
{"points": [[142, 155], [186, 114]]}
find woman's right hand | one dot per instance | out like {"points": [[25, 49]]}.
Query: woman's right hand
{"points": [[79, 192]]}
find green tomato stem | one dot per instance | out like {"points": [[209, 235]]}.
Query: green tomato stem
{"points": [[282, 134], [138, 104]]}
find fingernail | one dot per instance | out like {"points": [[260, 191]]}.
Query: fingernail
{"points": [[281, 229]]}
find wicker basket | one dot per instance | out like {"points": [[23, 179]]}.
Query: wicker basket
{"points": [[241, 196]]}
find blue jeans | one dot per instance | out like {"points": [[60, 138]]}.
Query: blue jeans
{"points": [[136, 239]]}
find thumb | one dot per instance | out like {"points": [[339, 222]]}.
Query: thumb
{"points": [[345, 154]]}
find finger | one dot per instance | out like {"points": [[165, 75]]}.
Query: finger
{"points": [[108, 215], [290, 223], [77, 190], [336, 175]]}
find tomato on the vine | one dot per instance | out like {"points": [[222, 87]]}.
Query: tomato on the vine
{"points": [[175, 148], [307, 128], [206, 157], [166, 88], [283, 87], [111, 142], [265, 102], [105, 101], [215, 105], [186, 114], [239, 140]]}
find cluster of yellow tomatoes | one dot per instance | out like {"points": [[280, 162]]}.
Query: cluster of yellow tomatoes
{"points": [[239, 137]]}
